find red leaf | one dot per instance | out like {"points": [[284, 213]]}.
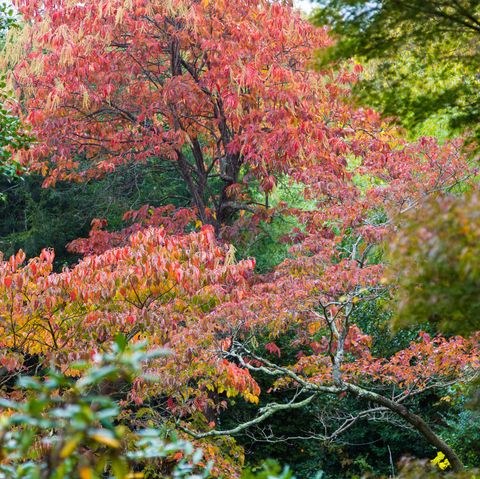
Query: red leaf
{"points": [[272, 348]]}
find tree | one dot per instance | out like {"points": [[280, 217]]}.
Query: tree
{"points": [[131, 80], [33, 218], [422, 55], [434, 263], [373, 27], [316, 294]]}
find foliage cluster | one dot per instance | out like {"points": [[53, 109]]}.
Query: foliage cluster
{"points": [[88, 441], [436, 256], [13, 136], [421, 59]]}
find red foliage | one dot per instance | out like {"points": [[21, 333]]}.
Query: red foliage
{"points": [[228, 81], [272, 348], [159, 287], [99, 240]]}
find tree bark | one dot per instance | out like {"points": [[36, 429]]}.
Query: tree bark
{"points": [[195, 190], [416, 421]]}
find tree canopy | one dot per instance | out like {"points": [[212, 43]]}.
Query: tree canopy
{"points": [[422, 57]]}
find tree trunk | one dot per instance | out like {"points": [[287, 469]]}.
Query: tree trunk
{"points": [[195, 189], [416, 421]]}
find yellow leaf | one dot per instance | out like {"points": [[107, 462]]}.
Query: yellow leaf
{"points": [[103, 437], [444, 464], [85, 473], [441, 461], [70, 446], [314, 327]]}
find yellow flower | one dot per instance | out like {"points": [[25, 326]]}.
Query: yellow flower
{"points": [[444, 464], [441, 461]]}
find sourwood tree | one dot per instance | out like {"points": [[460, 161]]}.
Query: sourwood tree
{"points": [[221, 89]]}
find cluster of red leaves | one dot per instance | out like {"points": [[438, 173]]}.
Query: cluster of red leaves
{"points": [[159, 287], [422, 364], [172, 220]]}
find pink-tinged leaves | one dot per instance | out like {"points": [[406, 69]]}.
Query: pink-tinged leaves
{"points": [[272, 348]]}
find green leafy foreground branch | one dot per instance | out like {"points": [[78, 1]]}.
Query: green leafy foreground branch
{"points": [[65, 429]]}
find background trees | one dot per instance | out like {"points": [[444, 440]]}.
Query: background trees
{"points": [[423, 58], [33, 217], [439, 251]]}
